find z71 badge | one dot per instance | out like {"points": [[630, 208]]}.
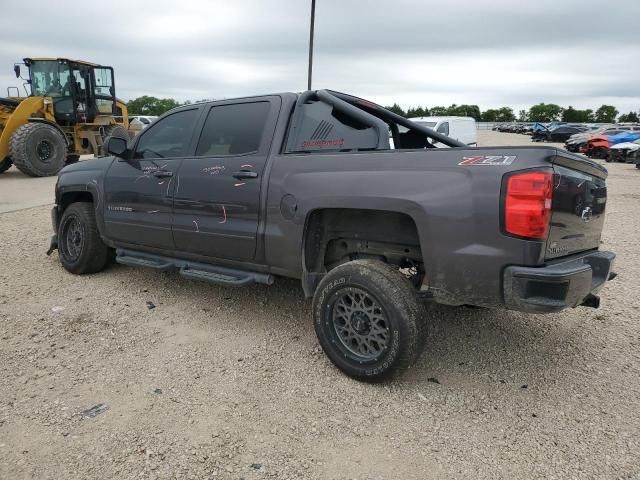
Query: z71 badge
{"points": [[495, 160]]}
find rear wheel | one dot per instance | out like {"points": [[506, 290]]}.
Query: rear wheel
{"points": [[38, 149], [5, 165], [368, 319], [80, 247]]}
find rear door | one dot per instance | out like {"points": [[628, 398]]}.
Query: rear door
{"points": [[217, 190], [139, 191]]}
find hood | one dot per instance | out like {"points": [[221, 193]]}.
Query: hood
{"points": [[95, 164], [598, 137], [624, 137], [626, 146]]}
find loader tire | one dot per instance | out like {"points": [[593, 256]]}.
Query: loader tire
{"points": [[38, 150], [5, 165]]}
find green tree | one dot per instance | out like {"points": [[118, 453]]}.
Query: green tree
{"points": [[523, 116], [545, 112], [439, 111], [589, 116], [397, 109], [147, 105], [629, 117], [417, 112], [606, 114], [571, 114], [505, 114], [465, 111], [490, 115]]}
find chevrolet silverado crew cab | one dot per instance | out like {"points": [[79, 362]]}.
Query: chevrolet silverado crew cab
{"points": [[306, 186]]}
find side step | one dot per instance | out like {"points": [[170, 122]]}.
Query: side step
{"points": [[229, 277], [143, 262]]}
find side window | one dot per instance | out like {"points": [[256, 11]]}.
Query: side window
{"points": [[169, 137], [233, 129], [443, 128], [103, 90]]}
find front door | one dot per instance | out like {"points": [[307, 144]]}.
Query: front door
{"points": [[217, 191], [139, 190]]}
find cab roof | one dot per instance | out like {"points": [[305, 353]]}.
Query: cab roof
{"points": [[82, 62]]}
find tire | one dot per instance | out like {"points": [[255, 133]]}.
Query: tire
{"points": [[5, 165], [80, 248], [38, 150], [368, 319]]}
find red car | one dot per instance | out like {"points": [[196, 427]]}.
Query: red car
{"points": [[597, 147]]}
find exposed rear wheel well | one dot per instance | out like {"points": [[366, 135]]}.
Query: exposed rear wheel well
{"points": [[336, 236]]}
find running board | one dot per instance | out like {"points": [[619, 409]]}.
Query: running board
{"points": [[230, 277], [143, 262]]}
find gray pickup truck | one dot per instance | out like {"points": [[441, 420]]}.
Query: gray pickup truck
{"points": [[307, 186]]}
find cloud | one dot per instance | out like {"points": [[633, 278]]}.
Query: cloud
{"points": [[492, 53]]}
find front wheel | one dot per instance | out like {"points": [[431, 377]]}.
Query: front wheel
{"points": [[368, 319], [80, 247]]}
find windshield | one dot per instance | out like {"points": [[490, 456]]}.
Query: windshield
{"points": [[50, 78]]}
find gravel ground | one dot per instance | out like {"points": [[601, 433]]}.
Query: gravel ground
{"points": [[222, 383]]}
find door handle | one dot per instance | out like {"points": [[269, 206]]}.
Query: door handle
{"points": [[162, 173], [242, 174]]}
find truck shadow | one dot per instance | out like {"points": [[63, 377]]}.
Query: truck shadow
{"points": [[470, 347], [481, 346]]}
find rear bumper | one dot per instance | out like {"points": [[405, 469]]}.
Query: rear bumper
{"points": [[560, 284]]}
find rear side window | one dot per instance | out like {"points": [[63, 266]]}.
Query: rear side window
{"points": [[443, 128], [233, 129], [168, 137], [321, 127]]}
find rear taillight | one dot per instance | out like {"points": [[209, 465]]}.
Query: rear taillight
{"points": [[527, 204]]}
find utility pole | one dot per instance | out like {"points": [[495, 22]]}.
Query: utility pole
{"points": [[313, 17]]}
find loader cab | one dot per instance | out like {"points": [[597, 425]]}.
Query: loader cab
{"points": [[79, 91]]}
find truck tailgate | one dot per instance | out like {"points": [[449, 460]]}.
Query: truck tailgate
{"points": [[578, 205]]}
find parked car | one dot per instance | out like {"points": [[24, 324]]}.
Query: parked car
{"points": [[627, 152], [563, 132], [577, 141], [146, 120], [306, 186], [598, 146], [462, 129]]}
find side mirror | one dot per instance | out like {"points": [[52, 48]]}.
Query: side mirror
{"points": [[16, 69], [116, 146]]}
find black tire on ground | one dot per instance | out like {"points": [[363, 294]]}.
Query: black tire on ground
{"points": [[38, 149], [5, 165], [80, 248], [368, 319]]}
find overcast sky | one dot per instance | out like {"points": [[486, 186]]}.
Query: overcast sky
{"points": [[492, 52]]}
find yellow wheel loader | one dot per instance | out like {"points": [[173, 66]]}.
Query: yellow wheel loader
{"points": [[70, 111]]}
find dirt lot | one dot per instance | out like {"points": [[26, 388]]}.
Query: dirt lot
{"points": [[222, 383]]}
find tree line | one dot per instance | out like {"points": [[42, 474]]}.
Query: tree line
{"points": [[542, 112], [153, 106]]}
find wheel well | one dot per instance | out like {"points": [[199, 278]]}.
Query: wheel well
{"points": [[336, 236], [73, 197]]}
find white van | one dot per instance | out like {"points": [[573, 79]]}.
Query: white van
{"points": [[462, 129]]}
